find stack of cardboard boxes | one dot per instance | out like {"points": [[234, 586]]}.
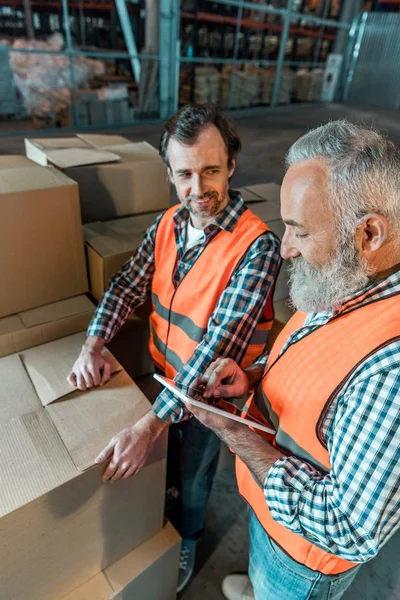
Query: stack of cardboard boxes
{"points": [[63, 533], [263, 200], [116, 178]]}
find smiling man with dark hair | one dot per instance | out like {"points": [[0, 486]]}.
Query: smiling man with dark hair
{"points": [[209, 265]]}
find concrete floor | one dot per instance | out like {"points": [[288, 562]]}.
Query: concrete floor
{"points": [[266, 136]]}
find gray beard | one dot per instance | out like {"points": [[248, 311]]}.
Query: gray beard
{"points": [[315, 289]]}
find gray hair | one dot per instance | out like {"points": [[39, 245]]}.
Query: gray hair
{"points": [[364, 170]]}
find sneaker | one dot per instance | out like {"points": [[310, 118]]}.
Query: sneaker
{"points": [[237, 587], [186, 563]]}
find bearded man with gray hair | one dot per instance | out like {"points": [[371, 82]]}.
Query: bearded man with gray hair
{"points": [[323, 491]]}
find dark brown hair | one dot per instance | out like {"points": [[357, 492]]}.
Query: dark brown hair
{"points": [[189, 121]]}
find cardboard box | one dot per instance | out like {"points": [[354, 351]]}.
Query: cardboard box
{"points": [[109, 245], [59, 525], [44, 324], [269, 192], [268, 210], [42, 258], [148, 573], [65, 152], [100, 141], [117, 178], [15, 161]]}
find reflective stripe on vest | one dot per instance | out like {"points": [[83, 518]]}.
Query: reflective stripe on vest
{"points": [[180, 315], [295, 394]]}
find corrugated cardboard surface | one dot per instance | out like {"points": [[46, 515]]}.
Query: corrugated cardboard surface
{"points": [[60, 528], [33, 460], [120, 235], [15, 161], [137, 184], [17, 395], [44, 324], [42, 258], [49, 377], [100, 141], [66, 152], [88, 420], [10, 325], [96, 588], [110, 244], [56, 310], [150, 572], [56, 542]]}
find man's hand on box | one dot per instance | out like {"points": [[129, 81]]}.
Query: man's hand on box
{"points": [[91, 368], [128, 451]]}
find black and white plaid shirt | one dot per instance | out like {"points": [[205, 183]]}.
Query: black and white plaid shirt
{"points": [[234, 319]]}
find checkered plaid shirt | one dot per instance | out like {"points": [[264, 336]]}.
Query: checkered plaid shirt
{"points": [[352, 511], [233, 321]]}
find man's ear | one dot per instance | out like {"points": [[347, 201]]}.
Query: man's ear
{"points": [[231, 167], [169, 176], [372, 233]]}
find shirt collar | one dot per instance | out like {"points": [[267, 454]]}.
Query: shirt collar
{"points": [[226, 219], [375, 291]]}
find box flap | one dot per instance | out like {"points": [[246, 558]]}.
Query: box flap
{"points": [[115, 243], [267, 211], [134, 224], [49, 365], [10, 325], [15, 161], [95, 588], [248, 196], [267, 191], [33, 460], [77, 157], [100, 141], [88, 420], [56, 311], [130, 566], [44, 152], [31, 178], [17, 394], [59, 143], [135, 152]]}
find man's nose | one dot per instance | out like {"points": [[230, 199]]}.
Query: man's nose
{"points": [[288, 248]]}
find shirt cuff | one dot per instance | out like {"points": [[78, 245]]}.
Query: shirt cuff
{"points": [[168, 408], [284, 485]]}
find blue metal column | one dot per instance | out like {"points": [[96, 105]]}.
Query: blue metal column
{"points": [[169, 56], [235, 54], [129, 37], [281, 56], [70, 52]]}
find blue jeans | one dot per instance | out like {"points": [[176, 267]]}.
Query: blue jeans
{"points": [[276, 576], [193, 452]]}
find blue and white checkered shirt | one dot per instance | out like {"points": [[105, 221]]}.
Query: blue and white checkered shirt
{"points": [[352, 511], [235, 317]]}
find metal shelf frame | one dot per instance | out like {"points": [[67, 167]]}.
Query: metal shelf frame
{"points": [[170, 61]]}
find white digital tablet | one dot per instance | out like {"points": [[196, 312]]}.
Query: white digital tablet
{"points": [[179, 393]]}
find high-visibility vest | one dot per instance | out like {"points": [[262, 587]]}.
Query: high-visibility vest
{"points": [[294, 396], [180, 315]]}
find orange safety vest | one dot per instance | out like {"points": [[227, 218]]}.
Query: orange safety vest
{"points": [[180, 315], [294, 396]]}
